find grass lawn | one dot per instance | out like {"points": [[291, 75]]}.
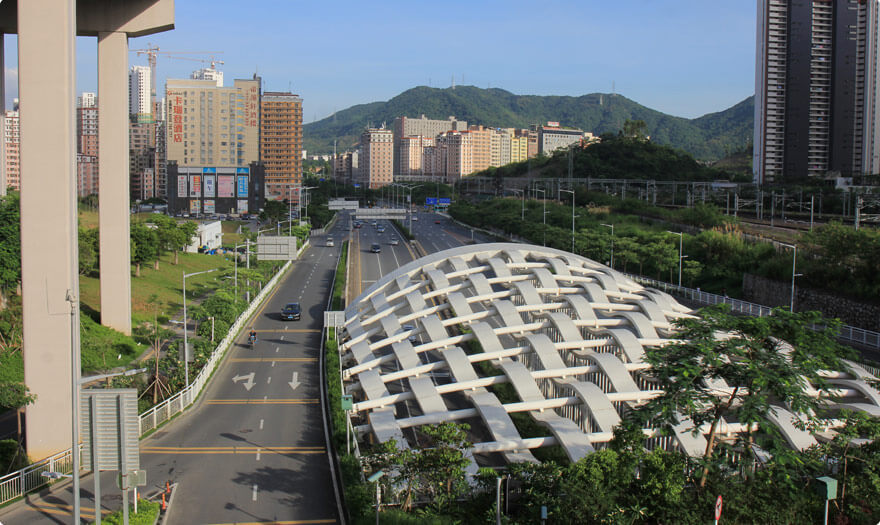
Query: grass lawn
{"points": [[147, 513], [88, 218], [165, 283]]}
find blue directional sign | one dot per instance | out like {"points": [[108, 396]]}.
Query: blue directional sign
{"points": [[445, 200], [430, 201]]}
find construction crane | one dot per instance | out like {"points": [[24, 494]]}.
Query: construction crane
{"points": [[152, 52]]}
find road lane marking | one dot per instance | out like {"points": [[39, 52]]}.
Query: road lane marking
{"points": [[292, 331], [254, 497], [269, 380], [289, 401], [261, 424], [279, 359], [258, 452], [273, 364]]}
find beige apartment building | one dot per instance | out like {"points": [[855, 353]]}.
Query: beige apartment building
{"points": [[376, 158], [412, 153], [459, 155], [281, 144], [421, 127], [481, 148], [209, 125]]}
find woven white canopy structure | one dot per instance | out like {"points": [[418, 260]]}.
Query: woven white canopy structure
{"points": [[567, 333]]}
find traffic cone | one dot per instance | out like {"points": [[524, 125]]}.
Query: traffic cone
{"points": [[164, 505], [167, 487]]}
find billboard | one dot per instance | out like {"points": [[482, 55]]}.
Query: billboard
{"points": [[182, 186], [243, 171], [209, 187], [195, 206], [242, 206], [242, 185], [226, 186], [209, 206], [195, 186]]}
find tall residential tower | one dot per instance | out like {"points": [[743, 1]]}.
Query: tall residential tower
{"points": [[816, 89]]}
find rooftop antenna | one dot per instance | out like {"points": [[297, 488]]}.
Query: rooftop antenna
{"points": [[612, 87], [453, 82]]}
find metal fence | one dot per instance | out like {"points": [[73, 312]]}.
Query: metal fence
{"points": [[19, 483], [848, 333]]}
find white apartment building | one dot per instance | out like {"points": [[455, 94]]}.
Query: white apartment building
{"points": [[139, 82], [11, 142]]}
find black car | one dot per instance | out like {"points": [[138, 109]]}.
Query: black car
{"points": [[291, 312], [375, 248]]}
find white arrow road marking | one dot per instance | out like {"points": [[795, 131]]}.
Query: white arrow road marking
{"points": [[247, 384], [293, 382], [254, 496], [261, 424]]}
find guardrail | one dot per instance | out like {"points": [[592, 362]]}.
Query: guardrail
{"points": [[17, 484], [848, 333]]}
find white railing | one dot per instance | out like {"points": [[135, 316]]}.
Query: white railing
{"points": [[17, 484], [847, 333]]}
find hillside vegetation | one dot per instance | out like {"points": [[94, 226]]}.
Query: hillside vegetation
{"points": [[707, 138]]}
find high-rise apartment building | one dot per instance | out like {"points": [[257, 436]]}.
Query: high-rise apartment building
{"points": [[87, 145], [139, 86], [424, 127], [459, 155], [11, 158], [281, 144], [376, 158], [210, 125], [481, 148], [412, 153], [816, 89]]}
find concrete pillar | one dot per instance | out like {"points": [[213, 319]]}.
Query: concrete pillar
{"points": [[113, 193], [49, 253]]}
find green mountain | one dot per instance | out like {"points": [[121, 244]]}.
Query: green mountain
{"points": [[708, 138]]}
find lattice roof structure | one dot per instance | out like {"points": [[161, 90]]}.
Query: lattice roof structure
{"points": [[566, 332]]}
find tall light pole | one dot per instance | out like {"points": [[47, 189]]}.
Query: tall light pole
{"points": [[185, 326], [544, 200], [793, 270], [572, 218], [302, 192], [680, 256], [612, 244]]}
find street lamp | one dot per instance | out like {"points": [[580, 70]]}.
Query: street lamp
{"points": [[572, 217], [302, 192], [793, 270], [544, 200], [680, 256], [185, 347], [374, 478], [612, 244]]}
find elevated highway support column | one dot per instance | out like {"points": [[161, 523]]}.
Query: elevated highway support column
{"points": [[49, 252], [113, 166]]}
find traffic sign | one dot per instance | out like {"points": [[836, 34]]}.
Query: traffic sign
{"points": [[718, 504], [430, 201], [445, 200]]}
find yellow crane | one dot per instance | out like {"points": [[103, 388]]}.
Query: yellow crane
{"points": [[152, 52]]}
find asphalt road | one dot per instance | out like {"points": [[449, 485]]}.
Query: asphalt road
{"points": [[252, 448]]}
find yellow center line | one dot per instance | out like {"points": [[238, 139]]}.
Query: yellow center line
{"points": [[292, 522], [277, 359], [292, 331], [239, 448], [63, 509], [305, 401]]}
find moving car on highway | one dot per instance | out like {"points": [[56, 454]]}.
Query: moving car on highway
{"points": [[291, 312]]}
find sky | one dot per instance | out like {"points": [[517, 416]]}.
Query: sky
{"points": [[682, 57]]}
